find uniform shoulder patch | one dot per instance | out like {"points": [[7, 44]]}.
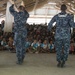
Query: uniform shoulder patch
{"points": [[59, 15]]}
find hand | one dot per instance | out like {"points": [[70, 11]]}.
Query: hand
{"points": [[22, 3], [12, 2]]}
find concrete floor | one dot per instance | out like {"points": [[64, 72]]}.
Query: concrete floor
{"points": [[35, 64]]}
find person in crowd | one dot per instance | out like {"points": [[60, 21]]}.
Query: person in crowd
{"points": [[2, 25], [1, 33], [27, 45], [51, 46], [34, 46], [39, 45], [44, 46], [11, 45], [72, 46], [64, 22], [20, 31], [4, 44], [0, 41]]}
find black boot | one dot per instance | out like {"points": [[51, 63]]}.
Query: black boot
{"points": [[59, 64], [62, 64], [19, 62], [22, 59]]}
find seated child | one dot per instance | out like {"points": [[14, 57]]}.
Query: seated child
{"points": [[51, 46], [34, 46], [4, 44], [27, 45], [39, 45], [11, 45], [44, 47]]}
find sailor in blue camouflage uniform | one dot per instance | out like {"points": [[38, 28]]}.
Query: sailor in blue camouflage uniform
{"points": [[64, 22], [20, 31]]}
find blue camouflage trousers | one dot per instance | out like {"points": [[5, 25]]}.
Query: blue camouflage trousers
{"points": [[20, 42], [62, 47]]}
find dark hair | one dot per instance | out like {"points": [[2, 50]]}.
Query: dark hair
{"points": [[63, 7], [21, 7]]}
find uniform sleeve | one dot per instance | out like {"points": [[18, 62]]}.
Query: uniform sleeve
{"points": [[51, 23], [71, 21], [12, 11], [26, 14]]}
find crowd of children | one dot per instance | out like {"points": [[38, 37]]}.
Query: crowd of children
{"points": [[39, 40]]}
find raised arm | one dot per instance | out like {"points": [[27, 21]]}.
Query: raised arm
{"points": [[11, 9]]}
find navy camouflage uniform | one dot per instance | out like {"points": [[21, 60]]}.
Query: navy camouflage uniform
{"points": [[64, 22], [20, 31]]}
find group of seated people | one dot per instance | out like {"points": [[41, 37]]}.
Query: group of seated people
{"points": [[38, 40], [37, 46]]}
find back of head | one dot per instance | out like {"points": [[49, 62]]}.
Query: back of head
{"points": [[63, 7], [21, 7]]}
